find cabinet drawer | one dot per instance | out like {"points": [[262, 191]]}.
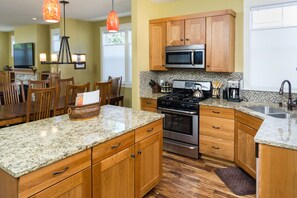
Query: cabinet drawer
{"points": [[248, 120], [113, 146], [216, 147], [47, 176], [217, 112], [145, 102], [148, 130], [217, 127]]}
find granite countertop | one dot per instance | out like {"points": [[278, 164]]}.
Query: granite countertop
{"points": [[30, 146], [273, 131], [153, 95]]}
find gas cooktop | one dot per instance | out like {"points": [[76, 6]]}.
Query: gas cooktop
{"points": [[182, 98]]}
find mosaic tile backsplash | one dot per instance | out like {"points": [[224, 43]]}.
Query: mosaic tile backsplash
{"points": [[197, 74]]}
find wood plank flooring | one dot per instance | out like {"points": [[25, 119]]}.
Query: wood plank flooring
{"points": [[187, 178]]}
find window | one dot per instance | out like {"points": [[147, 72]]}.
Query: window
{"points": [[270, 45], [55, 41], [116, 54]]}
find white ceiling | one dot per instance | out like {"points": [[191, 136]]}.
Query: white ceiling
{"points": [[20, 12]]}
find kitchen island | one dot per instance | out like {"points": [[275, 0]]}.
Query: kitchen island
{"points": [[38, 156]]}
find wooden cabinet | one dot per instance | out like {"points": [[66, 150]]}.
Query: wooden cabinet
{"points": [[76, 186], [276, 174], [114, 176], [70, 176], [216, 136], [148, 104], [246, 127], [220, 43], [148, 164], [186, 32], [157, 46]]}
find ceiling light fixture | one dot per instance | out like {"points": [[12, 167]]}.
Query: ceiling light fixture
{"points": [[51, 11], [112, 22]]}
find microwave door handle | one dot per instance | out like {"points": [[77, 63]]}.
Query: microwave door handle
{"points": [[192, 57]]}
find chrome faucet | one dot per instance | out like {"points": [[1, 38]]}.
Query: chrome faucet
{"points": [[281, 92]]}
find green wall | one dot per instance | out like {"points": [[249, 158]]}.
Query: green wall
{"points": [[144, 10], [4, 49]]}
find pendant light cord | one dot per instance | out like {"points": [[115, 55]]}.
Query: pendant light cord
{"points": [[64, 14], [112, 4]]}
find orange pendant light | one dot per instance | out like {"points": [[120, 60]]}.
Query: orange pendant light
{"points": [[112, 22], [51, 11]]}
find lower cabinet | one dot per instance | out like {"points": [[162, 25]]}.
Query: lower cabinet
{"points": [[148, 104], [76, 186], [246, 127], [114, 176], [148, 164]]}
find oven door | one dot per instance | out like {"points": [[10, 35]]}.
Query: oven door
{"points": [[180, 125]]}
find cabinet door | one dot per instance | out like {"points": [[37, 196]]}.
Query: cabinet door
{"points": [[245, 148], [113, 177], [148, 104], [195, 31], [220, 42], [76, 186], [148, 170], [176, 32], [157, 46]]}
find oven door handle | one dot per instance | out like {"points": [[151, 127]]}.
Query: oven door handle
{"points": [[177, 111]]}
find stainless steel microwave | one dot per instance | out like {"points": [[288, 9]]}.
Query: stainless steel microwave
{"points": [[185, 56]]}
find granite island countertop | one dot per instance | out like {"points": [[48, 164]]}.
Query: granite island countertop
{"points": [[30, 146], [273, 131]]}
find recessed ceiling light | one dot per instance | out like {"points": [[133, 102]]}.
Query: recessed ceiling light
{"points": [[34, 19]]}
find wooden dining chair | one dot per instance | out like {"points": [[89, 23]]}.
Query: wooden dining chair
{"points": [[38, 83], [53, 78], [116, 85], [41, 103], [62, 84], [72, 91], [13, 93], [104, 88]]}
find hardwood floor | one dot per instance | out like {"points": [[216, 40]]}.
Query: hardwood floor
{"points": [[185, 177]]}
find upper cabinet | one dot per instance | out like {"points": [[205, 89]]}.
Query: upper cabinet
{"points": [[214, 29], [220, 43], [186, 32], [157, 46]]}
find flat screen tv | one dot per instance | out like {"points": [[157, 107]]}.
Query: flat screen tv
{"points": [[23, 54]]}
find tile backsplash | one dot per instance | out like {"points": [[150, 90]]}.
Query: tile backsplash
{"points": [[199, 74]]}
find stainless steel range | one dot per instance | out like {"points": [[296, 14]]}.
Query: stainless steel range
{"points": [[181, 121]]}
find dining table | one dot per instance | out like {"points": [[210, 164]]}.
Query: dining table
{"points": [[16, 113]]}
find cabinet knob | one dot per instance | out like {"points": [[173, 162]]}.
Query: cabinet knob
{"points": [[139, 152], [132, 155], [181, 39], [187, 39], [207, 65]]}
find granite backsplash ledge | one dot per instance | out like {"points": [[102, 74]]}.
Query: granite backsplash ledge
{"points": [[199, 74]]}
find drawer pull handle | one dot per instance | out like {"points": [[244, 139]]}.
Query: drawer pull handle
{"points": [[215, 127], [150, 130], [215, 147], [139, 152], [148, 103], [115, 146], [216, 112], [60, 172]]}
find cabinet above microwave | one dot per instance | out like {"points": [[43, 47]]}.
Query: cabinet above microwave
{"points": [[218, 37]]}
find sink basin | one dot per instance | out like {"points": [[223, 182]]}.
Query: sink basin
{"points": [[265, 109], [280, 115]]}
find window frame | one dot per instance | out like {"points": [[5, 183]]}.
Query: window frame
{"points": [[123, 27]]}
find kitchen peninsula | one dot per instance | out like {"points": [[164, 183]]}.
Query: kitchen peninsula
{"points": [[57, 157]]}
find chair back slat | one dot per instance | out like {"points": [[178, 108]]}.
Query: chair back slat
{"points": [[104, 88], [116, 85], [72, 91], [62, 83], [13, 93], [41, 103]]}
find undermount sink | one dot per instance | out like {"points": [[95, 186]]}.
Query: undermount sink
{"points": [[271, 111]]}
